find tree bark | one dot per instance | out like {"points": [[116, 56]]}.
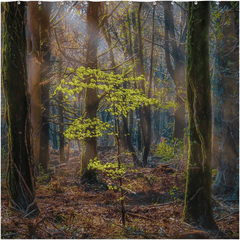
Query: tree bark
{"points": [[20, 179], [177, 73], [145, 113], [91, 97], [152, 49], [136, 161], [61, 127], [136, 65], [198, 197], [45, 55], [54, 132], [34, 77]]}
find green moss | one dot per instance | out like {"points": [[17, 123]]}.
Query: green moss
{"points": [[14, 80], [198, 206]]}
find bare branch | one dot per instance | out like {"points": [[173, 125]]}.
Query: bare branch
{"points": [[53, 25], [113, 68], [109, 15], [64, 54]]}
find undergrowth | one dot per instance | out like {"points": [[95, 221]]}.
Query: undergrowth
{"points": [[71, 210]]}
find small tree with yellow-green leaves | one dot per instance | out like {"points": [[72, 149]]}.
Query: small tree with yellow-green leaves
{"points": [[113, 171], [118, 100]]}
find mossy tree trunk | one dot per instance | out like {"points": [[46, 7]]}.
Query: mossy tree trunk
{"points": [[45, 55], [91, 97], [198, 197], [21, 185]]}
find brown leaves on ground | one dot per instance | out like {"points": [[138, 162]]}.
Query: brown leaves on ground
{"points": [[69, 209]]}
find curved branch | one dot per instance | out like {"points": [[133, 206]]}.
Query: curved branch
{"points": [[64, 16], [55, 15], [64, 54], [108, 15], [113, 68], [109, 49]]}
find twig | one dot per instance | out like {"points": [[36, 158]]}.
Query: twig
{"points": [[162, 204], [189, 225], [31, 212], [63, 53], [59, 20], [57, 227], [139, 216], [107, 16], [110, 69], [30, 205], [46, 230], [8, 234], [20, 175], [195, 194], [224, 217], [132, 232], [20, 208]]}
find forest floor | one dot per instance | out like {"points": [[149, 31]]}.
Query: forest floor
{"points": [[71, 210]]}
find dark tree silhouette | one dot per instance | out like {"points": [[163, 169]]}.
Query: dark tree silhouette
{"points": [[198, 198], [21, 185]]}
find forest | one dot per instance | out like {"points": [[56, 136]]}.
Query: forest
{"points": [[120, 119]]}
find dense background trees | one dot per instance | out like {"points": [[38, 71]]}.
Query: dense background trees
{"points": [[226, 101], [145, 44]]}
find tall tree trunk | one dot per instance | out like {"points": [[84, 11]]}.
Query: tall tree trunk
{"points": [[61, 127], [139, 139], [21, 185], [54, 132], [91, 97], [136, 162], [198, 198], [46, 54], [226, 101], [152, 49], [131, 53], [177, 74], [136, 65], [34, 77], [145, 113]]}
